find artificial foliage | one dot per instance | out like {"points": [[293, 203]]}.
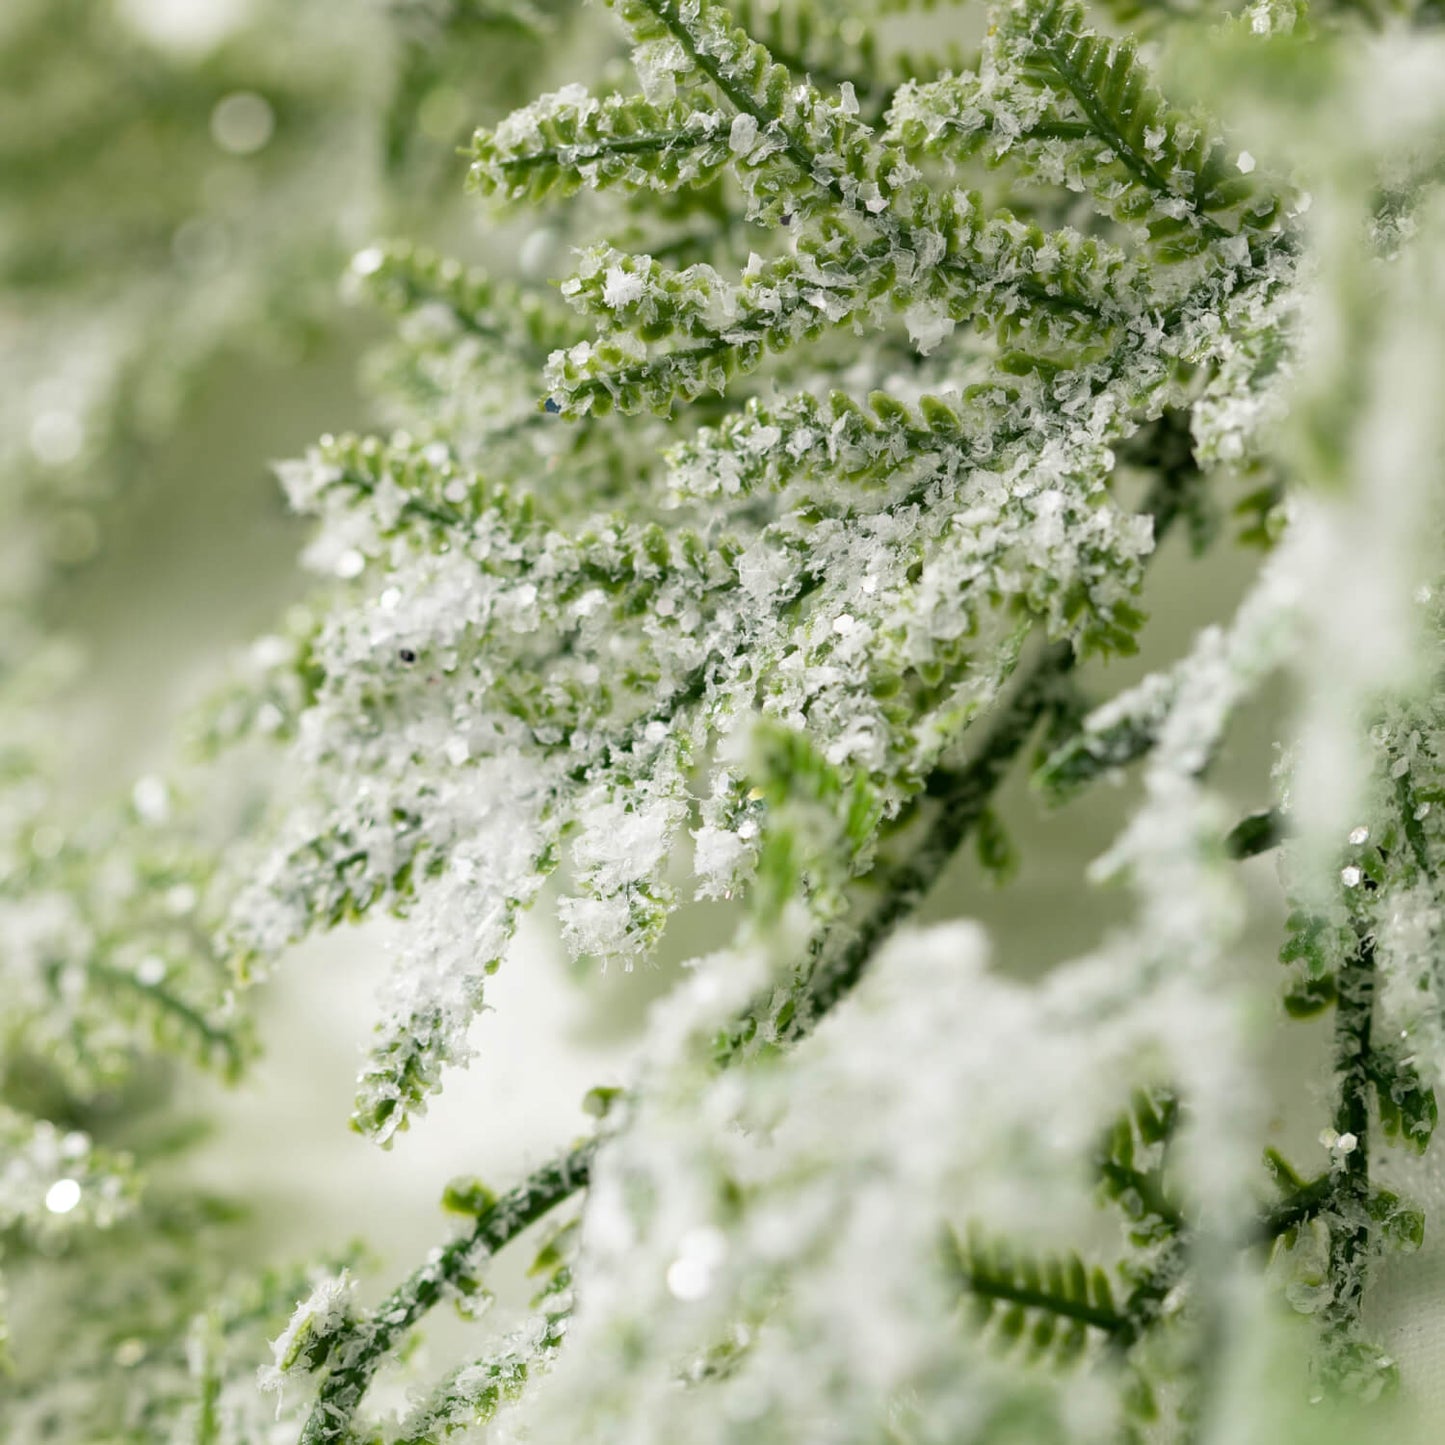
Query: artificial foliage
{"points": [[794, 486]]}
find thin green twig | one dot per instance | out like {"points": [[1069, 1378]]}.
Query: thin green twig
{"points": [[365, 1349]]}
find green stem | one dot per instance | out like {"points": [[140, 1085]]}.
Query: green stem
{"points": [[653, 141], [368, 1345], [1110, 1321]]}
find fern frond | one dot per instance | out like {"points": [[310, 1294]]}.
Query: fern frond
{"points": [[402, 278], [948, 621], [571, 140], [1047, 1305], [936, 258], [1078, 109], [467, 872], [726, 59], [1148, 164], [832, 159], [433, 996], [816, 43], [103, 964], [188, 1026], [1132, 1166], [425, 487], [776, 306]]}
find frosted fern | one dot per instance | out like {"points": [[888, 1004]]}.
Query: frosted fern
{"points": [[800, 479]]}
